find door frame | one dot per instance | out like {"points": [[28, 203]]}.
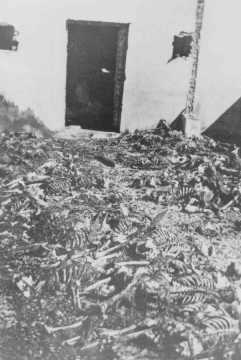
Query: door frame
{"points": [[120, 70]]}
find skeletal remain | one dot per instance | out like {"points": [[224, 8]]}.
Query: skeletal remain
{"points": [[90, 346], [52, 330], [72, 341], [97, 284], [117, 333], [140, 332], [229, 204], [110, 250], [132, 263], [15, 183], [50, 266], [102, 260]]}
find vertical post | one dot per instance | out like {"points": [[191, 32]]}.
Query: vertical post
{"points": [[192, 125], [122, 45]]}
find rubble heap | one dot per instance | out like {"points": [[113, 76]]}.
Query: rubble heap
{"points": [[124, 248]]}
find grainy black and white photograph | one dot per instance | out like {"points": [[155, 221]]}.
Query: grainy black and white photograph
{"points": [[120, 180]]}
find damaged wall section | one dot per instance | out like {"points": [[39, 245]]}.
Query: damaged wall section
{"points": [[182, 45], [8, 37], [36, 76]]}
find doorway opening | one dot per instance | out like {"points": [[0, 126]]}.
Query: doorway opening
{"points": [[96, 63]]}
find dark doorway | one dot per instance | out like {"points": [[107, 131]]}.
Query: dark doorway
{"points": [[95, 74]]}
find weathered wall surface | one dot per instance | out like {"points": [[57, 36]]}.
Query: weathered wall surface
{"points": [[219, 79], [35, 76]]}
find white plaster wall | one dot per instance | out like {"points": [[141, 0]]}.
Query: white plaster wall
{"points": [[219, 79], [35, 75]]}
